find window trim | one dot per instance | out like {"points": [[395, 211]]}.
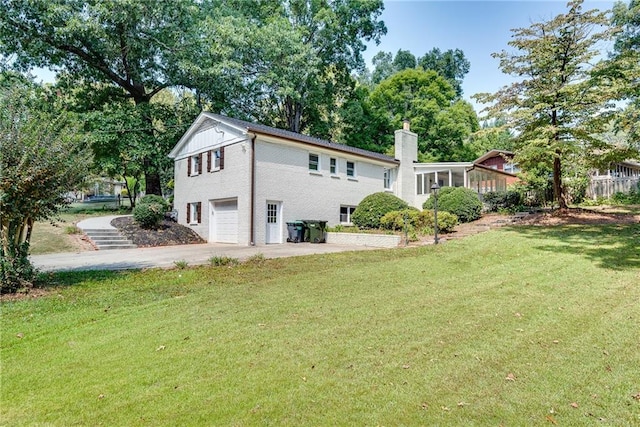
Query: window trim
{"points": [[353, 170], [350, 209], [317, 163], [386, 178], [194, 165], [194, 213], [333, 166]]}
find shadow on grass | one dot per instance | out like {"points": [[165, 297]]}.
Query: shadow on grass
{"points": [[69, 278], [614, 247]]}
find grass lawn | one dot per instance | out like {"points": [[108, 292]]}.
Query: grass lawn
{"points": [[513, 327], [57, 235]]}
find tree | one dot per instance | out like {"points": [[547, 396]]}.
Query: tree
{"points": [[427, 100], [625, 67], [451, 64], [286, 67], [558, 108], [362, 126], [133, 46], [42, 156], [403, 60], [382, 66]]}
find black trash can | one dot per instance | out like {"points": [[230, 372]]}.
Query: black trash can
{"points": [[316, 230], [296, 231]]}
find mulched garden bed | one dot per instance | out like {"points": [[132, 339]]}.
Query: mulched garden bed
{"points": [[167, 234]]}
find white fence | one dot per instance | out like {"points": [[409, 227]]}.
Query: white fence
{"points": [[604, 186]]}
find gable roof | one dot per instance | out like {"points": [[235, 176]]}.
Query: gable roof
{"points": [[492, 170], [259, 129], [493, 153]]}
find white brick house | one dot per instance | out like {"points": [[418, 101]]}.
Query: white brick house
{"points": [[240, 182]]}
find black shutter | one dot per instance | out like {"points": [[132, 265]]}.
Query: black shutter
{"points": [[209, 161], [221, 157], [189, 166], [188, 213], [199, 163], [199, 212]]}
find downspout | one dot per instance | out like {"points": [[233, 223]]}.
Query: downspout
{"points": [[252, 192]]}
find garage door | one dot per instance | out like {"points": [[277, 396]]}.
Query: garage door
{"points": [[225, 222]]}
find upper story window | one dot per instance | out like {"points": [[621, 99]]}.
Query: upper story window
{"points": [[333, 165], [194, 165], [511, 168], [314, 162], [387, 178], [215, 160], [351, 169]]}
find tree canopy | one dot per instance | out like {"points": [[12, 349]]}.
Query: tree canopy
{"points": [[429, 102], [42, 156], [557, 107]]}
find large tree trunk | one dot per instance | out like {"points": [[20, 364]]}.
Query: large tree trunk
{"points": [[152, 180], [558, 190]]}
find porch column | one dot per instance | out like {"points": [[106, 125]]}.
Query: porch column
{"points": [[465, 184], [450, 179], [435, 174]]}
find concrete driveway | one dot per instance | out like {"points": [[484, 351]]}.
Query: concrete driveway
{"points": [[166, 256]]}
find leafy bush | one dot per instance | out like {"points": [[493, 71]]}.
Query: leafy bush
{"points": [[395, 220], [150, 210], [375, 206], [446, 221], [421, 221], [151, 199], [631, 198], [502, 200], [460, 201]]}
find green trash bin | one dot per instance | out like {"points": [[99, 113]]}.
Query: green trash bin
{"points": [[316, 230]]}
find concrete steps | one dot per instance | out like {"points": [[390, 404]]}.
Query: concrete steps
{"points": [[108, 239]]}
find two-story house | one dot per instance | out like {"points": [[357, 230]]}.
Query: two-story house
{"points": [[241, 182]]}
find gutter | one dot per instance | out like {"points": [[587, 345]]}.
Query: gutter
{"points": [[252, 192]]}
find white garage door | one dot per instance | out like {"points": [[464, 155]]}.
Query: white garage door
{"points": [[225, 222]]}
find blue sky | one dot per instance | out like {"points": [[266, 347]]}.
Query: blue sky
{"points": [[479, 28]]}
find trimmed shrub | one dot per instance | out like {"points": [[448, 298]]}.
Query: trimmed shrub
{"points": [[446, 221], [150, 210], [460, 201], [148, 215], [421, 221], [154, 199], [394, 220], [502, 200], [375, 206]]}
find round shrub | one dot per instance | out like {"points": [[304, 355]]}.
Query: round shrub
{"points": [[375, 206], [149, 211], [460, 201], [151, 199]]}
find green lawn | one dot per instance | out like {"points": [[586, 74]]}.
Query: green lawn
{"points": [[514, 327], [57, 235]]}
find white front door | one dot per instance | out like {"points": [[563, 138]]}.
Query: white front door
{"points": [[274, 229]]}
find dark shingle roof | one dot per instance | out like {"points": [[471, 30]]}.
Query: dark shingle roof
{"points": [[268, 130]]}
